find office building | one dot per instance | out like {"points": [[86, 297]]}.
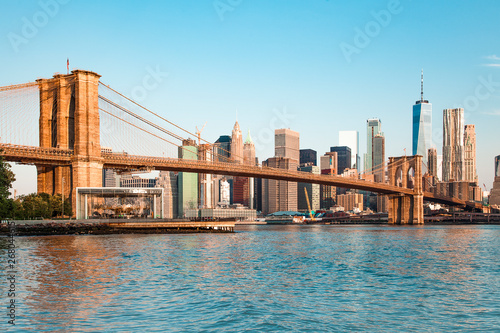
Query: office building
{"points": [[237, 212], [279, 195], [382, 203], [343, 158], [308, 157], [422, 125], [453, 140], [351, 201], [328, 166], [258, 194], [237, 144], [373, 127], [222, 149], [497, 166], [432, 160], [249, 151], [224, 192], [205, 192], [136, 181], [286, 144], [110, 178], [379, 158], [187, 183], [168, 181], [439, 167], [243, 187], [351, 140], [312, 191], [495, 191], [250, 159], [241, 191], [470, 171]]}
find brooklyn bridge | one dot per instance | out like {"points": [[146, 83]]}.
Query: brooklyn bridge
{"points": [[73, 126]]}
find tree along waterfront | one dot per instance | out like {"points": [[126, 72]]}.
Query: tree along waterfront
{"points": [[29, 206]]}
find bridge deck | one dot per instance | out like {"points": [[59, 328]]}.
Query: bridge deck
{"points": [[121, 161]]}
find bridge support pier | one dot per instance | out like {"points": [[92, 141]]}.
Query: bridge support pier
{"points": [[406, 171], [69, 119]]}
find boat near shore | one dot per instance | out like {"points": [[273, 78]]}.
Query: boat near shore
{"points": [[286, 217]]}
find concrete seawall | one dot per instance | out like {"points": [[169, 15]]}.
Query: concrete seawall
{"points": [[112, 226]]}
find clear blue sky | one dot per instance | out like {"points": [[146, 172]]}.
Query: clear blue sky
{"points": [[260, 58]]}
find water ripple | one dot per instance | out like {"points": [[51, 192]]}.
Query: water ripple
{"points": [[263, 278]]}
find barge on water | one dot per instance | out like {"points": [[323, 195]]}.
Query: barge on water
{"points": [[286, 217]]}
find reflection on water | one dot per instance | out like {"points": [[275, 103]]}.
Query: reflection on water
{"points": [[264, 278]]}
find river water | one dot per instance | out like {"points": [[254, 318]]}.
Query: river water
{"points": [[261, 278]]}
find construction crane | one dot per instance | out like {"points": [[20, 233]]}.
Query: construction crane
{"points": [[198, 133], [309, 205]]}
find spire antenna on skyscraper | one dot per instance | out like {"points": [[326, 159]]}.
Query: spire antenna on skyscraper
{"points": [[422, 86]]}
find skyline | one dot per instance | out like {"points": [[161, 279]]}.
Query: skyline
{"points": [[275, 65]]}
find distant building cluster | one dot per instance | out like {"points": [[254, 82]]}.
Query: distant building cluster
{"points": [[188, 195]]}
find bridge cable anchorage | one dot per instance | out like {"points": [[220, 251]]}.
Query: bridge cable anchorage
{"points": [[166, 120]]}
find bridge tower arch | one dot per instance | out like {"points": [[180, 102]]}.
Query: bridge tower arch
{"points": [[69, 119], [406, 209]]}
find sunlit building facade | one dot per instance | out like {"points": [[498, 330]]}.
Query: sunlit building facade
{"points": [[351, 140], [453, 144]]}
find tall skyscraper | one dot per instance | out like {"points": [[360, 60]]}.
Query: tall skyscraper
{"points": [[328, 166], [497, 166], [351, 140], [237, 144], [168, 180], [205, 191], [308, 156], [286, 144], [422, 125], [312, 191], [222, 149], [187, 182], [110, 178], [244, 186], [373, 127], [470, 154], [343, 158], [249, 151], [453, 141], [379, 158], [432, 159], [279, 195], [495, 191]]}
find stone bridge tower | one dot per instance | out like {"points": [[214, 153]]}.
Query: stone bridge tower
{"points": [[406, 171], [69, 119]]}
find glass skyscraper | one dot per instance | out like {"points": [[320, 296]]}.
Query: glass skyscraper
{"points": [[343, 158], [187, 182], [373, 127], [351, 140], [422, 126]]}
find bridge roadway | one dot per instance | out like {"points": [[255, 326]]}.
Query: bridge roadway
{"points": [[122, 161]]}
